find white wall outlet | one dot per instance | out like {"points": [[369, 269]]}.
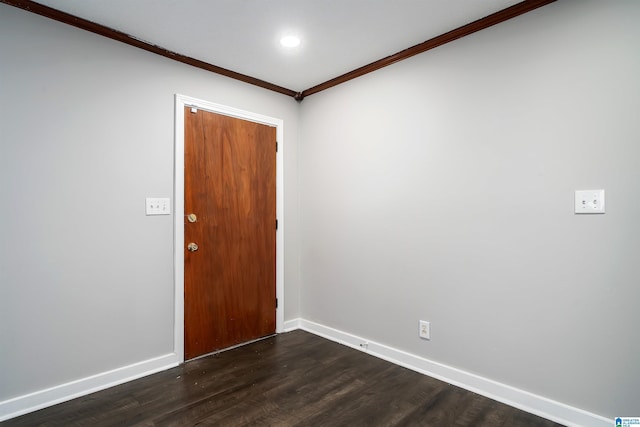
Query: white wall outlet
{"points": [[425, 330], [158, 206], [589, 202]]}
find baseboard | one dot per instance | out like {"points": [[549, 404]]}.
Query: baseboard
{"points": [[43, 398], [291, 325], [529, 402]]}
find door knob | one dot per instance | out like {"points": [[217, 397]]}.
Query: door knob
{"points": [[192, 247], [192, 217]]}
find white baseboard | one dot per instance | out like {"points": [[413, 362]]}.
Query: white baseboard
{"points": [[529, 402], [43, 398], [291, 325]]}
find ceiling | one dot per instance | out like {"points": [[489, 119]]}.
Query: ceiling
{"points": [[243, 35]]}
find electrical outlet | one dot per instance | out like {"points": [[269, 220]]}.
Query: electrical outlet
{"points": [[425, 330]]}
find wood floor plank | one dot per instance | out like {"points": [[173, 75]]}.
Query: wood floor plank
{"points": [[292, 379]]}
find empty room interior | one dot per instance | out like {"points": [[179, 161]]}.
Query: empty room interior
{"points": [[443, 186]]}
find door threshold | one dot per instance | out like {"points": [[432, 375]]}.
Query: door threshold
{"points": [[230, 348]]}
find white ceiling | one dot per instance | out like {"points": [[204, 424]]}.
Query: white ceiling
{"points": [[243, 35]]}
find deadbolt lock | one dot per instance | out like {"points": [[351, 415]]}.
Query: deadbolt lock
{"points": [[192, 247], [192, 217]]}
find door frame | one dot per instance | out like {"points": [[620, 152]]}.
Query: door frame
{"points": [[182, 101]]}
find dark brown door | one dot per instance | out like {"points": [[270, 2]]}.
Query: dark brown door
{"points": [[230, 188]]}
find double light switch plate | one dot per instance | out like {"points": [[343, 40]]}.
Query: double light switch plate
{"points": [[589, 202]]}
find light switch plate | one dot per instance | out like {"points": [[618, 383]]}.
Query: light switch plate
{"points": [[158, 206], [589, 202]]}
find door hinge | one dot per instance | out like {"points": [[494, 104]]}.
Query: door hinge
{"points": [[276, 302], [276, 224], [276, 146]]}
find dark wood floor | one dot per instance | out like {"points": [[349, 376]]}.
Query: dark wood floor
{"points": [[293, 379]]}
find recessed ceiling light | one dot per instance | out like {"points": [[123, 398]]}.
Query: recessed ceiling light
{"points": [[290, 41]]}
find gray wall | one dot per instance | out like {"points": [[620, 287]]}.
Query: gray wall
{"points": [[86, 133], [441, 188]]}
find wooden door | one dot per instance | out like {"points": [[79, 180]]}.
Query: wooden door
{"points": [[230, 188]]}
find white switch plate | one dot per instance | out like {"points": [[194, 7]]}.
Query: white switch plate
{"points": [[158, 206], [589, 202]]}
